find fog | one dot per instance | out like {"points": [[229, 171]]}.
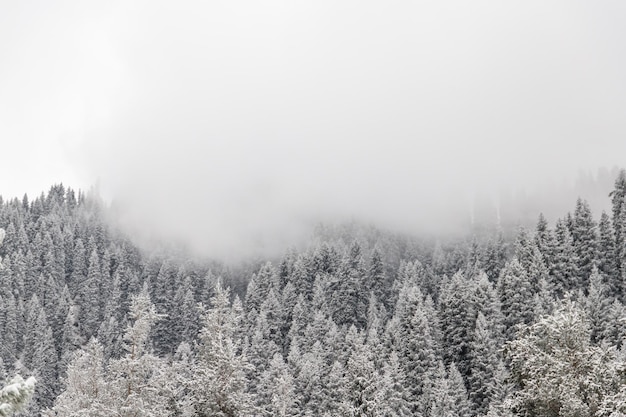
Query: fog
{"points": [[235, 126]]}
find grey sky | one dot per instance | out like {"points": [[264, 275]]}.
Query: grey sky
{"points": [[237, 122]]}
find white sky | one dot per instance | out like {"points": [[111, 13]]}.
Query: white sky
{"points": [[229, 122]]}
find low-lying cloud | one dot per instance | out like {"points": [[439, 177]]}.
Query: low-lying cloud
{"points": [[237, 125]]}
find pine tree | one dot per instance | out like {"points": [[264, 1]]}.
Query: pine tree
{"points": [[584, 239], [524, 249], [484, 362], [615, 331], [597, 306], [276, 391], [185, 315], [557, 370], [544, 240], [394, 385], [89, 298], [516, 297], [325, 259], [446, 396], [301, 277], [162, 292], [462, 406], [565, 272], [617, 199], [134, 377], [40, 354], [309, 380], [487, 302], [87, 393], [347, 305], [72, 338], [334, 391], [458, 315], [10, 332], [416, 350], [220, 385], [177, 382], [494, 257], [15, 395], [376, 280], [607, 255], [79, 267], [365, 395]]}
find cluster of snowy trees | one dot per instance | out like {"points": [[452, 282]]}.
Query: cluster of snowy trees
{"points": [[362, 323]]}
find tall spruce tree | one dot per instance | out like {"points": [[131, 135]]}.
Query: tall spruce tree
{"points": [[220, 385], [584, 240]]}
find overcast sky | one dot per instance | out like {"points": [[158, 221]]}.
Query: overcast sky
{"points": [[237, 123]]}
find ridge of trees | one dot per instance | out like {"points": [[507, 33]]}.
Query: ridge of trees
{"points": [[362, 323]]}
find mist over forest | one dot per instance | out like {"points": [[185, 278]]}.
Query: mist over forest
{"points": [[357, 321], [326, 209]]}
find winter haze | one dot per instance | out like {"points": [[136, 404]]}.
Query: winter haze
{"points": [[237, 125]]}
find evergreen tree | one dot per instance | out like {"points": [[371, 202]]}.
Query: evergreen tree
{"points": [[494, 257], [457, 313], [607, 255], [134, 378], [584, 239], [40, 354], [87, 393], [617, 199], [544, 240], [347, 305], [416, 350], [557, 370], [565, 272], [365, 395], [597, 306], [220, 385], [394, 385], [311, 368], [89, 298], [15, 395], [334, 391], [484, 362], [516, 297], [376, 280], [276, 392], [447, 396]]}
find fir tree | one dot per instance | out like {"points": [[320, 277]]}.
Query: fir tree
{"points": [[584, 239], [557, 370], [597, 306], [220, 384], [516, 297], [607, 255], [15, 395], [484, 362], [457, 314], [617, 199], [134, 377], [86, 391], [565, 274], [276, 391]]}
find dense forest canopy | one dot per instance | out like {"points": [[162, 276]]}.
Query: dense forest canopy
{"points": [[361, 322]]}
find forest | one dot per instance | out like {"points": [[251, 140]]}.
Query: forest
{"points": [[358, 322]]}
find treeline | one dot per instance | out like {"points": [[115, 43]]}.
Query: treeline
{"points": [[363, 323]]}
